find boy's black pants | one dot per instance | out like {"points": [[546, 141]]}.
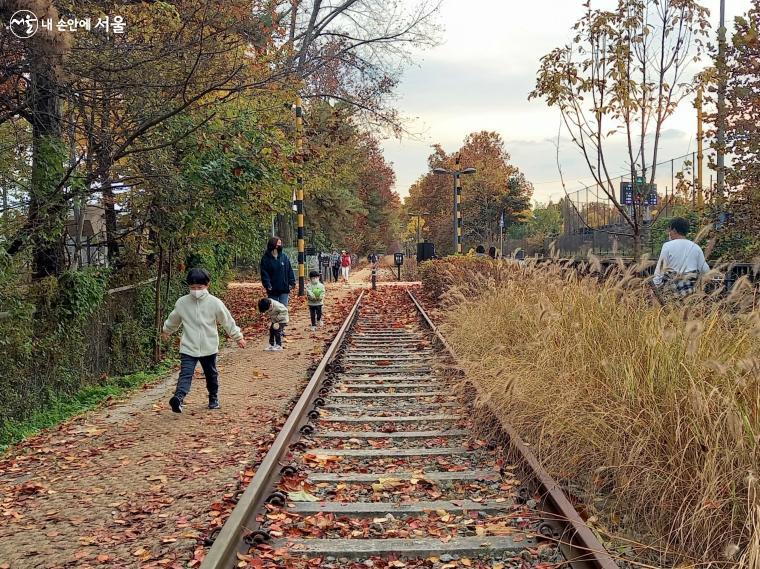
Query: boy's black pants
{"points": [[275, 335], [187, 369], [316, 314], [335, 273]]}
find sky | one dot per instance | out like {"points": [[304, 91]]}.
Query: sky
{"points": [[480, 77]]}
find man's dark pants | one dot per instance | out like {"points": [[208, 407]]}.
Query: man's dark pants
{"points": [[187, 369]]}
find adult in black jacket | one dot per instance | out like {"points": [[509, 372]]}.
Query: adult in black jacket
{"points": [[276, 272]]}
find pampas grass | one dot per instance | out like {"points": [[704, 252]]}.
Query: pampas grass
{"points": [[655, 409]]}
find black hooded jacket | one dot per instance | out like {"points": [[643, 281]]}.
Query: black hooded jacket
{"points": [[276, 273]]}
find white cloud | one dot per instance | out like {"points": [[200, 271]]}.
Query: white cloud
{"points": [[480, 78]]}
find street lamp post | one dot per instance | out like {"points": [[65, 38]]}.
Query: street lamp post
{"points": [[457, 173], [721, 126]]}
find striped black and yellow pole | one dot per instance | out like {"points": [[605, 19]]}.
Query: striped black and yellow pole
{"points": [[457, 210], [299, 197]]}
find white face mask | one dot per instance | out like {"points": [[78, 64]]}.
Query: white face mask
{"points": [[199, 293], [314, 281]]}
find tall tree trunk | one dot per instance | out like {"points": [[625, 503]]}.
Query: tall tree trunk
{"points": [[47, 205], [104, 170], [157, 307], [637, 246]]}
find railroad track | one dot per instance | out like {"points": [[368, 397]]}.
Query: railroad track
{"points": [[377, 467]]}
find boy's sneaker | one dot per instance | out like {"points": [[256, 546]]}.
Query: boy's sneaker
{"points": [[176, 404], [213, 404], [269, 349], [276, 348], [313, 328]]}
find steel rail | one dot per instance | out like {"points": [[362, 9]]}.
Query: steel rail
{"points": [[230, 538], [579, 544]]}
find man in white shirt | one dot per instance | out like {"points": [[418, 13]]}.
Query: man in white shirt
{"points": [[681, 261]]}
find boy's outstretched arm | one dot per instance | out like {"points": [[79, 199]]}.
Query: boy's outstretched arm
{"points": [[224, 318], [172, 324]]}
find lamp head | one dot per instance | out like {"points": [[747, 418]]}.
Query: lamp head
{"points": [[469, 171], [441, 171]]}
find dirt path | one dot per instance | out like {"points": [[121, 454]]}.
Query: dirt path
{"points": [[134, 485]]}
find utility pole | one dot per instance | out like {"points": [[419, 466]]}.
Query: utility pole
{"points": [[457, 210], [457, 173], [299, 197], [700, 151], [721, 164]]}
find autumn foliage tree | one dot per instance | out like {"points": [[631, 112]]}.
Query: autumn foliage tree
{"points": [[96, 105], [497, 186], [180, 132], [743, 117]]}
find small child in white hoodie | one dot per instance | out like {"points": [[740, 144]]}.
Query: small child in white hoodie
{"points": [[279, 317], [199, 313]]}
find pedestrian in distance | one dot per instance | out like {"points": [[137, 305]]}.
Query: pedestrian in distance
{"points": [[276, 272], [199, 313], [279, 317], [681, 262], [335, 260], [345, 265], [325, 276], [492, 252], [315, 297], [480, 251]]}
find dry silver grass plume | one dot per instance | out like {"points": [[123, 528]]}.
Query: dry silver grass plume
{"points": [[718, 367], [594, 262], [731, 551], [702, 233], [669, 334], [693, 331]]}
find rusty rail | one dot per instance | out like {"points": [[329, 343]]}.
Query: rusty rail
{"points": [[579, 544], [230, 539]]}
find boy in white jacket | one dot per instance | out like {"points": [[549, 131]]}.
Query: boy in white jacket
{"points": [[199, 313]]}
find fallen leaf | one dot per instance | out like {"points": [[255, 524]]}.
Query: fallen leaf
{"points": [[302, 496]]}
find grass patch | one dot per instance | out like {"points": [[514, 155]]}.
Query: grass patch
{"points": [[63, 407], [653, 414]]}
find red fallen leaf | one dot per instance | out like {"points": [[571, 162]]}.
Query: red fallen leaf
{"points": [[383, 362]]}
